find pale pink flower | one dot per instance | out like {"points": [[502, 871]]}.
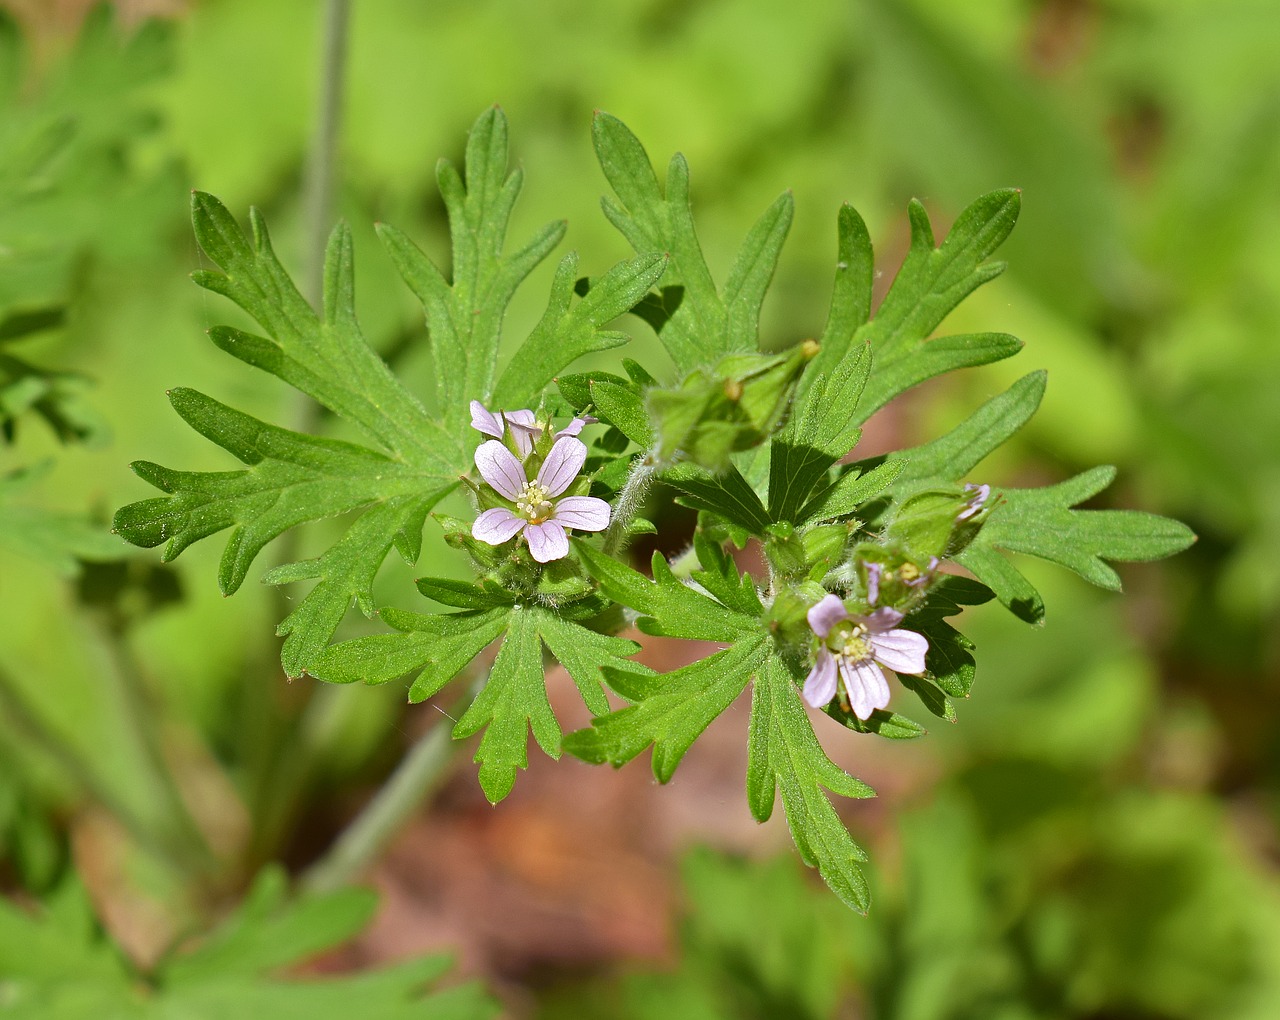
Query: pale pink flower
{"points": [[543, 523], [853, 649]]}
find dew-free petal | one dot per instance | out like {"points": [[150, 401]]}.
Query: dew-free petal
{"points": [[562, 465], [497, 526], [867, 687], [902, 651], [586, 513], [820, 685], [498, 466], [826, 614], [577, 425], [485, 421], [547, 541], [884, 618], [524, 429]]}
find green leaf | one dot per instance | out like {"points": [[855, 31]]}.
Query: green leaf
{"points": [[785, 756], [584, 654], [952, 456], [567, 333], [720, 576], [57, 964], [695, 323], [272, 929], [670, 608], [325, 356], [676, 708], [1040, 522], [850, 491], [623, 408], [931, 282], [512, 701], [890, 725], [465, 315], [439, 647], [851, 292], [293, 478], [463, 594], [819, 432], [726, 494]]}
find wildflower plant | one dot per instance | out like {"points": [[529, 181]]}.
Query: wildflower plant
{"points": [[861, 558]]}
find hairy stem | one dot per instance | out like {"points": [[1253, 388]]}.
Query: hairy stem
{"points": [[629, 502], [415, 779]]}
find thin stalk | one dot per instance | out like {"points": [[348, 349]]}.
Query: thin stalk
{"points": [[629, 502], [415, 779], [128, 686], [30, 725], [271, 716]]}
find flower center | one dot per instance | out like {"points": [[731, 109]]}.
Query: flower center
{"points": [[908, 572], [849, 641], [533, 503]]}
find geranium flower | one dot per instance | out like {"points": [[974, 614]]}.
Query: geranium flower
{"points": [[543, 523], [854, 648]]}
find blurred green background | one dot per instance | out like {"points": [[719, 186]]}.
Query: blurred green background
{"points": [[1098, 837]]}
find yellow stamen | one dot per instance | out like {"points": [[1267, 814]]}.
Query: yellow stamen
{"points": [[533, 503]]}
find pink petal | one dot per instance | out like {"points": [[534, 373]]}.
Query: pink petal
{"points": [[524, 429], [484, 420], [586, 513], [547, 541], [826, 614], [562, 465], [820, 685], [497, 526], [902, 651], [867, 687], [498, 466], [882, 619], [873, 582], [577, 425]]}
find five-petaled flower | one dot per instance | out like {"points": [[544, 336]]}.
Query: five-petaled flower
{"points": [[542, 522], [854, 648]]}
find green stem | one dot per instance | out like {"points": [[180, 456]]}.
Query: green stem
{"points": [[629, 502], [128, 687], [271, 724], [321, 163], [34, 728], [415, 779]]}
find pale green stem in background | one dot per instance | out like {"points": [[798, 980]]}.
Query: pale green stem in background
{"points": [[89, 779], [277, 777], [128, 687], [415, 779], [321, 175]]}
